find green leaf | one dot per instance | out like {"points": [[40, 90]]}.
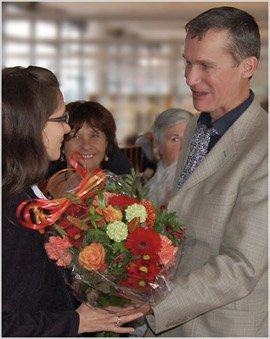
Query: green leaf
{"points": [[59, 230], [97, 235], [92, 210], [101, 200], [96, 217], [119, 247]]}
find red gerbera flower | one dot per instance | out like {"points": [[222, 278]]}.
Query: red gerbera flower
{"points": [[143, 269], [144, 242], [136, 282], [140, 274], [122, 201]]}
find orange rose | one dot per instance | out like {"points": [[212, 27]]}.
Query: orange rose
{"points": [[111, 214], [92, 257]]}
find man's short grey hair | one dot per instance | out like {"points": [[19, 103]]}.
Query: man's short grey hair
{"points": [[167, 119], [243, 30]]}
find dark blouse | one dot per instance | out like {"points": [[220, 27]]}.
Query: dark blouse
{"points": [[35, 299], [118, 163]]}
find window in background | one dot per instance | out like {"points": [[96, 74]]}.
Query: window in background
{"points": [[45, 49], [17, 48], [45, 29], [71, 77], [70, 31], [91, 79], [17, 28]]}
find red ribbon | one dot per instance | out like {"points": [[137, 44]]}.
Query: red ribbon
{"points": [[37, 214]]}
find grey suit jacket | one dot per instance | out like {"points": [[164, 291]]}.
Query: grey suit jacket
{"points": [[221, 284]]}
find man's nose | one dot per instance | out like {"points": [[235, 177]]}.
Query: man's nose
{"points": [[192, 75]]}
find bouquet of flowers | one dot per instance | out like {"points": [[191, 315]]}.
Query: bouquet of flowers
{"points": [[117, 245]]}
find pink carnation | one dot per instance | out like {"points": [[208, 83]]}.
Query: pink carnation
{"points": [[167, 252], [56, 249]]}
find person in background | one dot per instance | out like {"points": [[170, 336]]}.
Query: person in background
{"points": [[168, 131], [149, 156], [93, 134], [221, 187], [35, 299]]}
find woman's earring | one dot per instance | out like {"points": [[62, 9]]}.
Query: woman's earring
{"points": [[63, 157], [106, 158]]}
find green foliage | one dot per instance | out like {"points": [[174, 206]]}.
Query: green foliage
{"points": [[101, 200], [106, 334], [105, 300], [93, 216], [165, 218], [59, 229], [130, 186], [119, 247], [96, 235]]}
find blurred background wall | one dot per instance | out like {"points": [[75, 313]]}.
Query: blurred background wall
{"points": [[126, 55]]}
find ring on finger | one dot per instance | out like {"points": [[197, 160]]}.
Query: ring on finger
{"points": [[118, 321]]}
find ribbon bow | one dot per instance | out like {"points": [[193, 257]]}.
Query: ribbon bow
{"points": [[37, 214]]}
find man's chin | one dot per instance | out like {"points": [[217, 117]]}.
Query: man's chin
{"points": [[200, 106]]}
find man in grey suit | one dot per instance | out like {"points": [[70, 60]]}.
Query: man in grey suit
{"points": [[221, 284]]}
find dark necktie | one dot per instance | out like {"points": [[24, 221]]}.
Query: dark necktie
{"points": [[198, 150]]}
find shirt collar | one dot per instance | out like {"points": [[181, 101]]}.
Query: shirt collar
{"points": [[222, 124], [38, 192]]}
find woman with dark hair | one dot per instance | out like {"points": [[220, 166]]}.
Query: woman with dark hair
{"points": [[93, 135], [35, 299]]}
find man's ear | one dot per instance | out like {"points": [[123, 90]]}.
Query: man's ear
{"points": [[249, 66]]}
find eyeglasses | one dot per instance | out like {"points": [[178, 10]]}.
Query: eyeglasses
{"points": [[63, 118]]}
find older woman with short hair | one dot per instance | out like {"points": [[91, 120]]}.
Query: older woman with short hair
{"points": [[168, 131]]}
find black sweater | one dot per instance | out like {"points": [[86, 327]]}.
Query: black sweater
{"points": [[35, 300]]}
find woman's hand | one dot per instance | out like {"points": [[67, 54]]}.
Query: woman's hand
{"points": [[108, 319]]}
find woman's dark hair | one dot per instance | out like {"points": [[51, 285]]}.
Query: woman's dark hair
{"points": [[242, 27], [97, 117], [29, 96]]}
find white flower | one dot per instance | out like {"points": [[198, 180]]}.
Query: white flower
{"points": [[136, 210], [117, 231]]}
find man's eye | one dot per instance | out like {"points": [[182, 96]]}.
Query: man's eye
{"points": [[205, 67], [175, 139]]}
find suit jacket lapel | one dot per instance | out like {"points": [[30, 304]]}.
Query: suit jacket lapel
{"points": [[224, 150], [215, 159]]}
